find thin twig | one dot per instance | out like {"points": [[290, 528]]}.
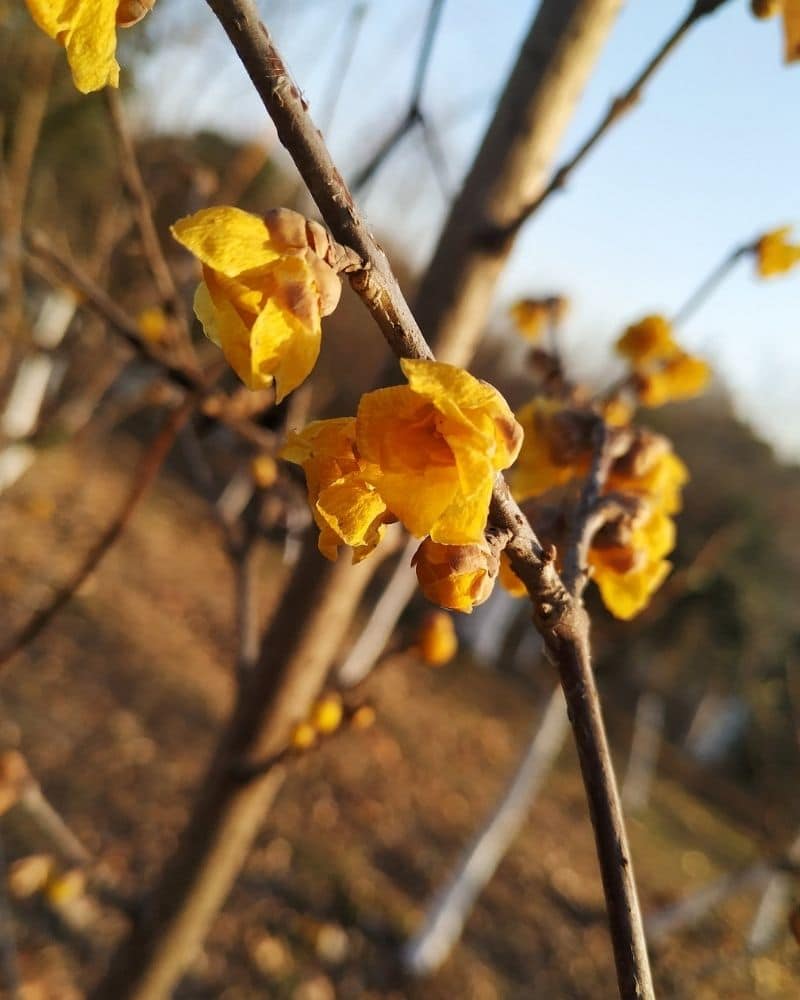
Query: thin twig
{"points": [[618, 108], [143, 209], [41, 250], [43, 257], [414, 115], [558, 614], [146, 473], [709, 284]]}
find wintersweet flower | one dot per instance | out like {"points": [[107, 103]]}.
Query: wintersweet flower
{"points": [[629, 572], [433, 448], [774, 253], [264, 292], [346, 508], [88, 31], [556, 447], [458, 577], [647, 341], [531, 316], [681, 377]]}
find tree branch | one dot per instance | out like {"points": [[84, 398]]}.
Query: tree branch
{"points": [[143, 211], [619, 107], [146, 473]]}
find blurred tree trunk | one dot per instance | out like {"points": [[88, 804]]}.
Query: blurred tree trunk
{"points": [[317, 608], [511, 169]]}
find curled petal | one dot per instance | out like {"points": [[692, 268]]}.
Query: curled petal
{"points": [[88, 31], [226, 239]]}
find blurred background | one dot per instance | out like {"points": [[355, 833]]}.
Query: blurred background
{"points": [[116, 704]]}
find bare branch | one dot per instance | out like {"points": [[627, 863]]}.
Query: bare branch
{"points": [[143, 209], [414, 115], [618, 108], [146, 473]]}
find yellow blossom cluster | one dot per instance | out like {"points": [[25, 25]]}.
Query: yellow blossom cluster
{"points": [[662, 371], [88, 31], [425, 454], [629, 564], [790, 9], [775, 253], [628, 556], [556, 447], [264, 292]]}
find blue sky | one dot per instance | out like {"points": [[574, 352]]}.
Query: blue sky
{"points": [[710, 159]]}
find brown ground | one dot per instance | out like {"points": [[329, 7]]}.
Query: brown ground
{"points": [[116, 707]]}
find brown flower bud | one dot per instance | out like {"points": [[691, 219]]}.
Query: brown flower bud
{"points": [[458, 577]]}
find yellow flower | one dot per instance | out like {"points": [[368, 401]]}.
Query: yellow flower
{"points": [[88, 31], [681, 377], [554, 450], [617, 412], [458, 577], [432, 449], [347, 509], [152, 324], [791, 22], [264, 470], [774, 253], [437, 639], [627, 575], [264, 291], [650, 470], [531, 316], [648, 340]]}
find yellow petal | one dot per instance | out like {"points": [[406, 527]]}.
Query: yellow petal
{"points": [[226, 239], [775, 254], [626, 594], [648, 340], [791, 29], [88, 31], [469, 402], [352, 509], [464, 519], [206, 312], [281, 348]]}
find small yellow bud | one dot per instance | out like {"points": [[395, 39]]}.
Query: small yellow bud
{"points": [[326, 715], [458, 577], [437, 640], [264, 470], [152, 324], [304, 736], [363, 717]]}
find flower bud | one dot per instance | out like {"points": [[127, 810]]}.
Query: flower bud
{"points": [[326, 715], [437, 639], [303, 736], [458, 577]]}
